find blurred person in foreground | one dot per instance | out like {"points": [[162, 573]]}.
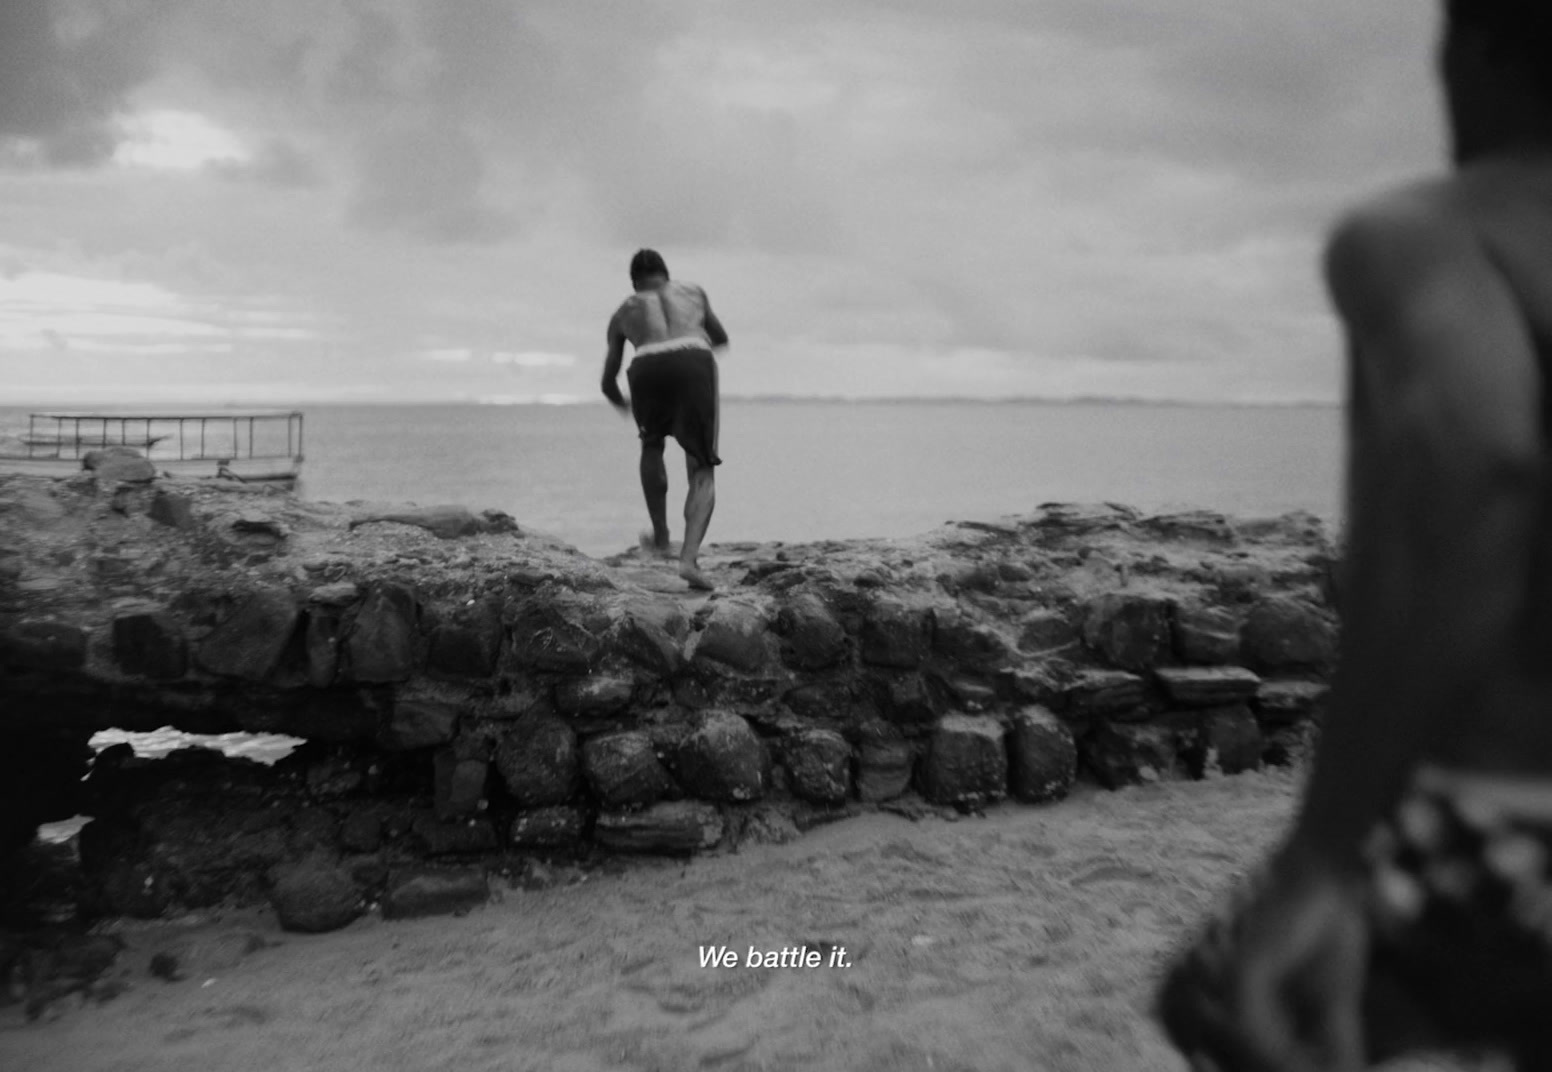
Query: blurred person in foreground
{"points": [[1411, 904], [673, 392]]}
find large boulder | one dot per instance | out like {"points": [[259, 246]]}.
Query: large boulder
{"points": [[734, 636], [885, 762], [539, 762], [623, 769], [459, 782], [417, 892], [315, 895], [674, 828], [43, 645], [1046, 632], [250, 643], [1210, 686], [119, 465], [818, 765], [1282, 703], [1102, 692], [812, 637], [1283, 633], [966, 762], [1042, 756], [547, 829], [1205, 634], [1231, 741], [381, 646], [415, 723], [1129, 631], [594, 696], [150, 643], [465, 649], [896, 635], [1134, 754], [722, 759]]}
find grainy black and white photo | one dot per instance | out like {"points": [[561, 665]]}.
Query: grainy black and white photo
{"points": [[656, 535]]}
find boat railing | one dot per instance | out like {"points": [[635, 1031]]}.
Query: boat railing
{"points": [[221, 438]]}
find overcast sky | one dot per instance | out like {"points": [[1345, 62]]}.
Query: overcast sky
{"points": [[294, 201]]}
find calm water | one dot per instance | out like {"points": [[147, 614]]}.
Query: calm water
{"points": [[811, 470]]}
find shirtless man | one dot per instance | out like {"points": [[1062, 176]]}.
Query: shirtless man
{"points": [[673, 386], [1411, 903]]}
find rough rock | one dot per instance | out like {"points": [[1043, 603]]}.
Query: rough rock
{"points": [[314, 896], [966, 761], [734, 636], [1095, 692], [1129, 631], [538, 760], [150, 643], [361, 831], [595, 695], [818, 765], [119, 465], [419, 892], [885, 763], [1132, 754], [1208, 686], [1042, 756], [544, 637], [962, 642], [459, 837], [812, 637], [908, 701], [648, 635], [547, 828], [44, 645], [464, 650], [171, 509], [1283, 633], [1231, 741], [443, 522], [722, 759], [321, 646], [459, 784], [1205, 634], [672, 828], [1046, 632], [418, 724], [249, 644], [1281, 703], [896, 635], [381, 646], [623, 769]]}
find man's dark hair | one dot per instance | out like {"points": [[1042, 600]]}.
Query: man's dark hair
{"points": [[1516, 32], [647, 262]]}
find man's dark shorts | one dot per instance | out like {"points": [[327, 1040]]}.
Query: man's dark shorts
{"points": [[673, 392]]}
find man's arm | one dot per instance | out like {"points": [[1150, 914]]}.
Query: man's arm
{"points": [[714, 329], [1444, 460], [613, 358]]}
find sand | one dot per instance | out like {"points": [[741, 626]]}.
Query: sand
{"points": [[1029, 938]]}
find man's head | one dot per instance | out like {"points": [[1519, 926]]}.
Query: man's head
{"points": [[647, 267], [1497, 81]]}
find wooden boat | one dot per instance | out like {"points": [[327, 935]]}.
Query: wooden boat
{"points": [[263, 448]]}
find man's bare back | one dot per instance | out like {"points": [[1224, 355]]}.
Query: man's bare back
{"points": [[673, 310]]}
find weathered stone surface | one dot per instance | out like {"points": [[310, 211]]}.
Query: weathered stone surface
{"points": [[150, 643], [458, 784], [722, 759], [1133, 754], [734, 636], [538, 760], [381, 646], [314, 896], [464, 650], [1045, 632], [674, 828], [623, 769], [896, 635], [818, 765], [969, 645], [321, 646], [249, 644], [1099, 692], [1208, 686], [885, 763], [1192, 525], [1042, 756], [1130, 631], [908, 701], [361, 831], [416, 893], [813, 638], [171, 509], [966, 761], [544, 637], [1282, 633], [547, 828], [1292, 745], [119, 465], [649, 635], [595, 695], [338, 594], [1205, 634], [461, 837], [443, 522], [1231, 741], [1281, 703], [43, 645], [418, 724]]}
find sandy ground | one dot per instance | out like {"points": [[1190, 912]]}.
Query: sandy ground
{"points": [[1027, 939]]}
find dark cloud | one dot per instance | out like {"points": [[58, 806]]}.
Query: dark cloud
{"points": [[425, 181]]}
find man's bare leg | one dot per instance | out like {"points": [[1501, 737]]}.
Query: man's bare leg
{"points": [[698, 504], [654, 485]]}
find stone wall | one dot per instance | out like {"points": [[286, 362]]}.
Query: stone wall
{"points": [[474, 693]]}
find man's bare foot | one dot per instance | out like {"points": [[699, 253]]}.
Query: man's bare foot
{"points": [[695, 578], [649, 546]]}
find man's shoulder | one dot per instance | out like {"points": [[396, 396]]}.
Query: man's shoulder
{"points": [[1390, 245]]}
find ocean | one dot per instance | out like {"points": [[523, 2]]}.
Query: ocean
{"points": [[808, 470]]}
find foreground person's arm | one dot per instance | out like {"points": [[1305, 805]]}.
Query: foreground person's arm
{"points": [[614, 357], [1443, 463]]}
